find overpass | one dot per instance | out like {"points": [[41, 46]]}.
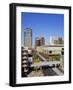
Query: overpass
{"points": [[45, 63]]}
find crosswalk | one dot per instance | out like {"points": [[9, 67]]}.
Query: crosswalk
{"points": [[57, 71]]}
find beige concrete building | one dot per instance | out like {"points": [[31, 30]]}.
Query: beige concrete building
{"points": [[53, 49], [50, 49]]}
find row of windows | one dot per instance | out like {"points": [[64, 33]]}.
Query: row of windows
{"points": [[62, 52]]}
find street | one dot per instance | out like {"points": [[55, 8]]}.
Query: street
{"points": [[48, 71]]}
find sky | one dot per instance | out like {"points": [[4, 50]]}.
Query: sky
{"points": [[42, 25]]}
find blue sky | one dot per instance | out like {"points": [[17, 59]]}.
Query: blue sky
{"points": [[42, 25]]}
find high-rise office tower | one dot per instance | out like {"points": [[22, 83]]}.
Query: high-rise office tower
{"points": [[39, 41], [28, 37]]}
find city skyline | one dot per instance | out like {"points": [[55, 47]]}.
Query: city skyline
{"points": [[42, 25]]}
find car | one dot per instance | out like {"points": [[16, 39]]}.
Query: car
{"points": [[53, 65], [57, 65]]}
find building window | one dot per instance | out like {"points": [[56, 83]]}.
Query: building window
{"points": [[62, 52], [50, 51], [62, 48]]}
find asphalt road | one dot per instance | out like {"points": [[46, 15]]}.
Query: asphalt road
{"points": [[48, 71]]}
